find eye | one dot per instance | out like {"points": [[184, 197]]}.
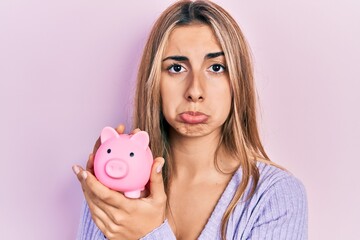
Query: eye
{"points": [[109, 150], [176, 68], [132, 154], [217, 68]]}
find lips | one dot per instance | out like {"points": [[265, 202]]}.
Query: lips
{"points": [[191, 117]]}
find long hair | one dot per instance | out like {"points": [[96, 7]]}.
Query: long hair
{"points": [[239, 136]]}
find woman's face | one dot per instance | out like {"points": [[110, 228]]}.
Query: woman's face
{"points": [[194, 85]]}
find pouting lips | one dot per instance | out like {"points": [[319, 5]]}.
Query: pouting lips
{"points": [[193, 117]]}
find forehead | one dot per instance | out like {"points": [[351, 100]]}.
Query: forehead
{"points": [[193, 38]]}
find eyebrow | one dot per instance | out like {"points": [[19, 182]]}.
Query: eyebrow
{"points": [[183, 58], [176, 58], [214, 55]]}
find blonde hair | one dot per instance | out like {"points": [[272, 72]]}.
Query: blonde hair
{"points": [[240, 136]]}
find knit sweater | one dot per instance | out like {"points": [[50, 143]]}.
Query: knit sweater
{"points": [[277, 210]]}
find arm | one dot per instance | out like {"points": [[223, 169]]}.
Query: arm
{"points": [[89, 231], [117, 216]]}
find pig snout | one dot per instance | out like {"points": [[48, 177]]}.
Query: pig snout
{"points": [[116, 168]]}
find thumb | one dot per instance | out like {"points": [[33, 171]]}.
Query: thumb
{"points": [[156, 179]]}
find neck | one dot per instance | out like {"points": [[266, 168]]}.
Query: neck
{"points": [[193, 157]]}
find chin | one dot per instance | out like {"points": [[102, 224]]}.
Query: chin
{"points": [[194, 130]]}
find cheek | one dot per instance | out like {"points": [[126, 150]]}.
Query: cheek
{"points": [[167, 99], [221, 89], [222, 101], [224, 106]]}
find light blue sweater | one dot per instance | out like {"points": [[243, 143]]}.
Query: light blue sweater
{"points": [[278, 210]]}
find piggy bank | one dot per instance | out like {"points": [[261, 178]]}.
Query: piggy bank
{"points": [[123, 162]]}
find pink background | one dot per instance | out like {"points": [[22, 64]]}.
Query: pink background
{"points": [[67, 69]]}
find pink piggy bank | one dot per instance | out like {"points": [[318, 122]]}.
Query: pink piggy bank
{"points": [[123, 162]]}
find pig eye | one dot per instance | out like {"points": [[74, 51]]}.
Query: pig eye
{"points": [[109, 150], [132, 154]]}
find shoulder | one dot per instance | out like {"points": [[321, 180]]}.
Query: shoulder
{"points": [[278, 190], [278, 207], [274, 180]]}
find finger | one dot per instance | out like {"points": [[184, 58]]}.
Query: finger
{"points": [[97, 145], [101, 212], [144, 193], [120, 129], [90, 163], [106, 225], [80, 174], [99, 197], [97, 214], [76, 169], [100, 191], [102, 220], [136, 130], [156, 180]]}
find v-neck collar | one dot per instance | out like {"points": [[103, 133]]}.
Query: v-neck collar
{"points": [[213, 224]]}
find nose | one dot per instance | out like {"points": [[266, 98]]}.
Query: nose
{"points": [[195, 90], [116, 168]]}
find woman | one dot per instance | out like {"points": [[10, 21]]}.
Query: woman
{"points": [[196, 99]]}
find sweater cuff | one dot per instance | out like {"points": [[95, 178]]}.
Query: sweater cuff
{"points": [[162, 232]]}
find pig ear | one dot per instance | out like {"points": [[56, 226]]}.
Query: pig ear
{"points": [[141, 138], [107, 133]]}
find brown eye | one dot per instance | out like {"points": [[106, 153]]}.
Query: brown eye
{"points": [[176, 68], [217, 68]]}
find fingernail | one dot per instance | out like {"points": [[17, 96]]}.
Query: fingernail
{"points": [[84, 175], [158, 169], [120, 127], [76, 169]]}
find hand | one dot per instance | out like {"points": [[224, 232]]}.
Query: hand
{"points": [[119, 217]]}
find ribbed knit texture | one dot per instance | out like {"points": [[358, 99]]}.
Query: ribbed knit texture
{"points": [[278, 210]]}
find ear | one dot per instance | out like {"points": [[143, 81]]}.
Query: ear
{"points": [[107, 133], [141, 138]]}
